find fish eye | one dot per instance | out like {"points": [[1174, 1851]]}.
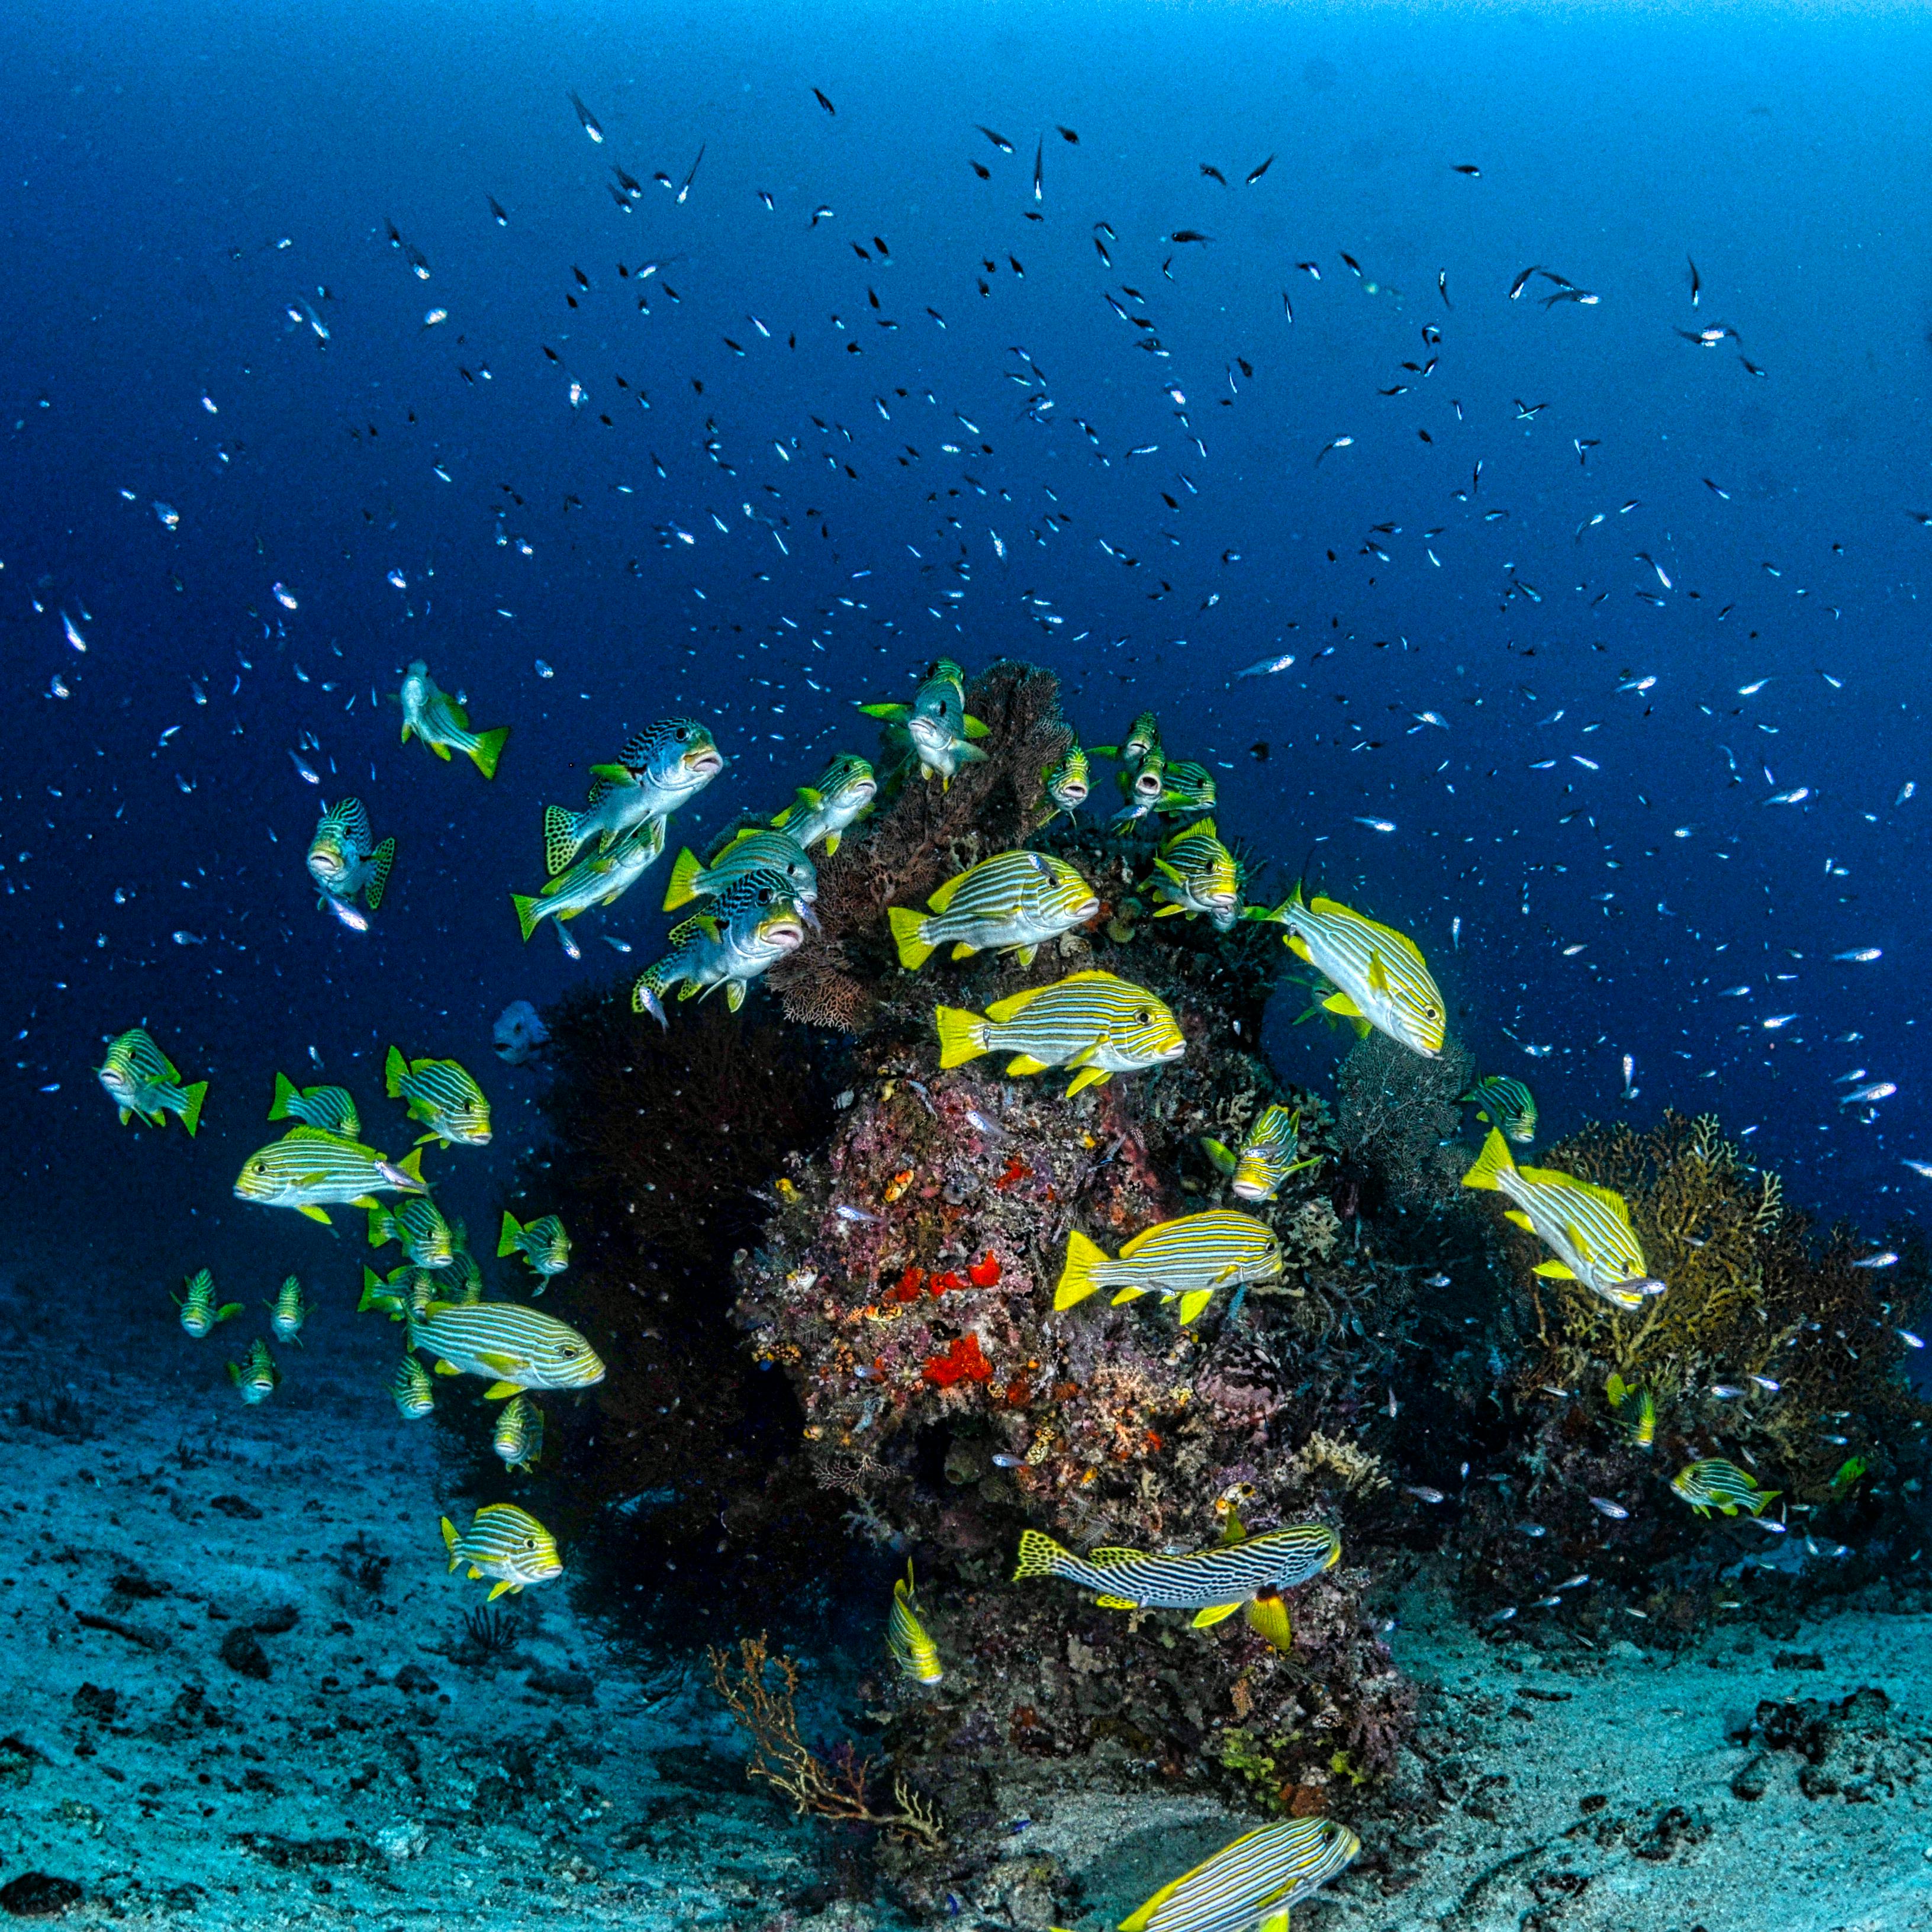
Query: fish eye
{"points": [[1144, 1018], [568, 1352], [1429, 1012], [682, 735]]}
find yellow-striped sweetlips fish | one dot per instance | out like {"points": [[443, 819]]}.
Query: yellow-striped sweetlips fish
{"points": [[1093, 1022], [1587, 1227], [1068, 782], [309, 1168], [936, 722], [1249, 1886], [343, 858], [756, 849], [410, 1389], [1266, 1157], [1714, 1483], [140, 1078], [828, 809], [516, 1346], [426, 1238], [1190, 1258], [542, 1243], [289, 1311], [518, 1437], [915, 1653], [1502, 1102], [1175, 788], [442, 1095], [1214, 1583], [1139, 752], [599, 878], [1199, 874], [200, 1311], [1381, 979], [442, 724], [409, 1290], [661, 767], [1635, 1409], [331, 1109], [256, 1377], [753, 924], [1013, 901], [506, 1544]]}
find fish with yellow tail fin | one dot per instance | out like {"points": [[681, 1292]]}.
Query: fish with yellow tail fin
{"points": [[1266, 1612], [517, 1347], [1188, 1259], [331, 1109], [1587, 1227], [256, 1377], [343, 858], [826, 810], [661, 767], [1636, 1411], [1714, 1483], [1214, 1583], [443, 725], [752, 924], [506, 1544], [1093, 1022], [518, 1437], [1068, 782], [200, 1311], [937, 724], [426, 1238], [1249, 1886], [1501, 1102], [1174, 788], [139, 1079], [756, 849], [442, 1095], [1266, 1157], [1198, 875], [1380, 978], [309, 1167], [913, 1651], [1014, 901], [408, 1291], [542, 1243], [597, 879]]}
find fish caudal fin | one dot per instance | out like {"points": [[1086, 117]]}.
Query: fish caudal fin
{"points": [[286, 1091], [411, 1164], [506, 1243], [527, 914], [909, 936], [1494, 1160], [381, 1228], [374, 1294], [1756, 1503], [682, 888], [488, 748], [382, 859], [962, 1035], [191, 1100], [393, 1068], [449, 1538], [1039, 1555], [1077, 1280], [561, 838]]}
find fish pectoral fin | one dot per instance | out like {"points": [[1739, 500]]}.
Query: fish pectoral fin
{"points": [[447, 1369], [1117, 1603], [1340, 1003], [1171, 912], [443, 752], [1555, 1270], [499, 1364], [501, 1588], [1026, 955], [1519, 1218], [974, 728], [1213, 1614], [1578, 1241], [127, 1115], [315, 1213], [1379, 978], [1088, 1076], [501, 1391]]}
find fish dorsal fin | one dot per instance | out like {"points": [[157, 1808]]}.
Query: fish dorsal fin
{"points": [[941, 899], [1141, 1240], [1553, 1177], [1114, 1553], [1001, 1011]]}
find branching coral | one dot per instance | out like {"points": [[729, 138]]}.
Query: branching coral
{"points": [[761, 1692]]}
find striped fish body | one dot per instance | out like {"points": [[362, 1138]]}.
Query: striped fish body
{"points": [[1207, 1581], [1267, 1155], [343, 858], [410, 1389], [940, 749], [1714, 1483], [752, 924], [1382, 979], [1635, 1412], [418, 1225], [331, 1109], [1173, 788], [661, 767], [1068, 783], [1014, 901], [506, 1544], [139, 1079], [199, 1310], [1198, 875], [462, 1279], [288, 1311], [1587, 1227], [754, 850], [443, 724], [442, 1094], [518, 1437], [827, 810], [936, 724], [1141, 742], [915, 1653], [1094, 1022], [1505, 1103], [1253, 1883], [255, 1376], [542, 1243], [1190, 1258], [599, 878], [515, 1346], [307, 1169], [408, 1291]]}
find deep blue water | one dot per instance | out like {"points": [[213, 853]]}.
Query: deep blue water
{"points": [[805, 518]]}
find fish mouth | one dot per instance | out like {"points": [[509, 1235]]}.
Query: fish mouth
{"points": [[1251, 1190], [706, 762], [789, 932], [864, 791]]}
